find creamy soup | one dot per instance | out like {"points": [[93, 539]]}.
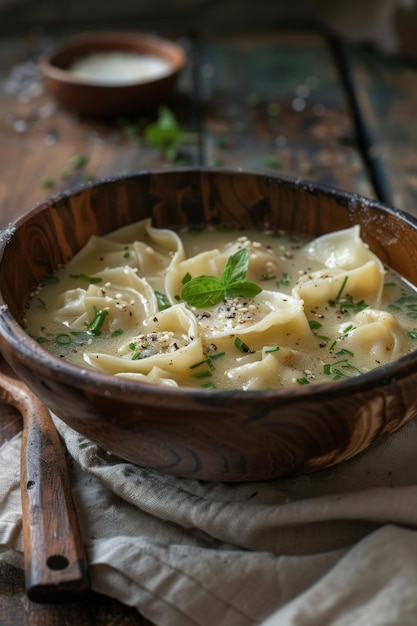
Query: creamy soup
{"points": [[220, 309]]}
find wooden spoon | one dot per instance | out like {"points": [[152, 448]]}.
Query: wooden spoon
{"points": [[55, 563]]}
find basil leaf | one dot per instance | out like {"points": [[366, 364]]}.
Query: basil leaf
{"points": [[243, 288], [203, 291], [236, 267]]}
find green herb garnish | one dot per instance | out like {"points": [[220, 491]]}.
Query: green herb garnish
{"points": [[88, 279], [206, 291], [97, 322], [284, 280], [165, 134], [163, 302], [242, 346], [203, 374], [79, 160], [346, 301], [63, 339]]}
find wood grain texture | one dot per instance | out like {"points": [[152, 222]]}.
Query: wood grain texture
{"points": [[219, 436], [387, 94], [55, 562], [275, 103]]}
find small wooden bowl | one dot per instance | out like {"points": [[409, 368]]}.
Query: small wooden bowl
{"points": [[96, 100], [198, 433]]}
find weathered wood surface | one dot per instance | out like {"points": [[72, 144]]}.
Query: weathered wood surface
{"points": [[387, 95], [273, 102]]}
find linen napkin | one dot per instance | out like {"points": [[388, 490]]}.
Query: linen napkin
{"points": [[333, 548]]}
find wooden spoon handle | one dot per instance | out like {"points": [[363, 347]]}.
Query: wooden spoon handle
{"points": [[55, 563]]}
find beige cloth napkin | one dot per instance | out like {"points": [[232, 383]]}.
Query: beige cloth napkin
{"points": [[335, 548]]}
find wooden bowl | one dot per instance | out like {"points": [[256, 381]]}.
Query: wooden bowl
{"points": [[198, 433], [94, 99]]}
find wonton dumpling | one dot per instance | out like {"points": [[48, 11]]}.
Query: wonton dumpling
{"points": [[278, 368], [343, 249], [375, 336], [363, 283], [168, 340], [71, 312], [269, 317], [151, 251], [127, 298]]}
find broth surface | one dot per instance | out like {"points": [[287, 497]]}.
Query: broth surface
{"points": [[327, 309]]}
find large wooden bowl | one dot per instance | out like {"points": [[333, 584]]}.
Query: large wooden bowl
{"points": [[207, 434]]}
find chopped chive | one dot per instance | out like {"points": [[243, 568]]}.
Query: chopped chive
{"points": [[126, 255], [41, 339], [78, 160], [186, 279], [208, 385], [48, 182], [272, 161], [327, 369], [97, 322], [117, 332], [241, 345], [203, 374], [412, 334], [314, 324], [303, 381], [163, 302], [276, 349], [343, 352], [137, 355], [217, 355], [203, 362], [342, 288], [88, 279], [284, 280], [63, 339], [132, 346]]}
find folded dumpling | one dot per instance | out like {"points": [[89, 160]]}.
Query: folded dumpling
{"points": [[168, 340]]}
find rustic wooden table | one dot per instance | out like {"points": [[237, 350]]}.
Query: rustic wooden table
{"points": [[288, 101]]}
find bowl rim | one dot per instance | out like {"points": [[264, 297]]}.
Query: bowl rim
{"points": [[14, 338], [175, 56]]}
